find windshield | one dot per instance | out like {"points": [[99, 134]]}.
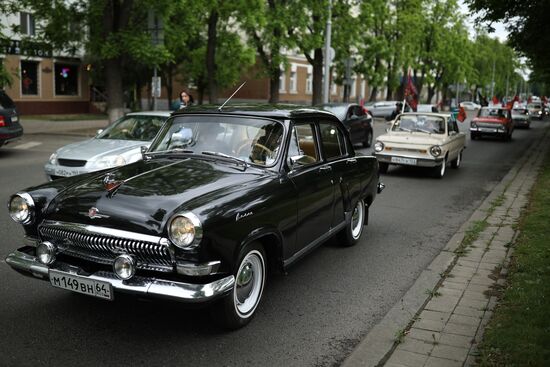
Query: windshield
{"points": [[533, 105], [492, 112], [519, 112], [252, 140], [420, 123], [339, 111], [134, 127]]}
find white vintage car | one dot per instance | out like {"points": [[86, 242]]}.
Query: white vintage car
{"points": [[421, 139]]}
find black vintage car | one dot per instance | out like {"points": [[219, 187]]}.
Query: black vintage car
{"points": [[220, 198], [356, 120]]}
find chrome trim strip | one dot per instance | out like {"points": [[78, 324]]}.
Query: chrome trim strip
{"points": [[313, 244], [89, 229], [188, 292], [192, 269]]}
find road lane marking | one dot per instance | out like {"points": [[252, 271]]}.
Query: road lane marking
{"points": [[30, 144]]}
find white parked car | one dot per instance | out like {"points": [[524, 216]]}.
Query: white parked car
{"points": [[470, 106], [421, 139], [119, 144]]}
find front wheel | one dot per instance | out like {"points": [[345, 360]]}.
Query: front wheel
{"points": [[354, 229], [456, 163], [368, 140], [237, 309], [439, 171]]}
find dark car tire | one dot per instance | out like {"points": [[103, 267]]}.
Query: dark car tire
{"points": [[351, 234], [237, 308], [368, 140], [383, 167], [439, 171], [456, 162]]}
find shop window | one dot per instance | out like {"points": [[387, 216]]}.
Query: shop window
{"points": [[28, 25], [66, 79], [29, 78]]}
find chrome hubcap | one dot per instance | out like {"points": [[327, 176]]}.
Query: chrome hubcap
{"points": [[357, 220], [249, 283]]}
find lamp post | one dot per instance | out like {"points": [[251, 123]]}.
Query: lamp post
{"points": [[328, 56], [156, 29]]}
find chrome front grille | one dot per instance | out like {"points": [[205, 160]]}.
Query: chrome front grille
{"points": [[71, 162], [103, 245], [490, 125]]}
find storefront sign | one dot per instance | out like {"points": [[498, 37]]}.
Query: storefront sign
{"points": [[26, 48]]}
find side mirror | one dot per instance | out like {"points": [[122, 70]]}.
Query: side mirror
{"points": [[143, 150], [300, 160], [99, 131]]}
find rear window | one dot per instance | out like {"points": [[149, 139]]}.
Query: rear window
{"points": [[5, 100]]}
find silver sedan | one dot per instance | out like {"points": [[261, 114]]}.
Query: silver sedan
{"points": [[120, 143]]}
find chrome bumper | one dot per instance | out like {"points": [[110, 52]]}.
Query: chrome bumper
{"points": [[420, 162], [142, 286]]}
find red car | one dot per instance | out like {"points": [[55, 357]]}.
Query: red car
{"points": [[492, 121]]}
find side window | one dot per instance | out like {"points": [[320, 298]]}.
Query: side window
{"points": [[303, 143], [332, 141], [358, 111]]}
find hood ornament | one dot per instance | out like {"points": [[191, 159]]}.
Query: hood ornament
{"points": [[93, 213], [110, 183]]}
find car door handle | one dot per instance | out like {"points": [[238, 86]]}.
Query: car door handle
{"points": [[351, 160], [325, 169]]}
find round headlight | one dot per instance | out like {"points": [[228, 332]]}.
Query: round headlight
{"points": [[124, 267], [378, 146], [185, 231], [45, 253], [435, 150], [473, 124], [21, 208]]}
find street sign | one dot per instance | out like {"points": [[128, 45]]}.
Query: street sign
{"points": [[155, 86]]}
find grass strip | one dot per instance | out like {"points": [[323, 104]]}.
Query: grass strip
{"points": [[519, 331]]}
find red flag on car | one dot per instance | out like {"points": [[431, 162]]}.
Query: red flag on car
{"points": [[461, 114], [411, 95]]}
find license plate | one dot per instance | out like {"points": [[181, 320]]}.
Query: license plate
{"points": [[66, 173], [400, 160], [486, 130], [82, 285]]}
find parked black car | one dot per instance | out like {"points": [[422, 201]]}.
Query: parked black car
{"points": [[220, 198], [356, 120], [10, 129]]}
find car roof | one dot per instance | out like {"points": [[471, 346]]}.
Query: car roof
{"points": [[338, 104], [435, 114], [150, 113], [275, 111]]}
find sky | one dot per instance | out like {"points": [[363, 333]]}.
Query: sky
{"points": [[500, 31]]}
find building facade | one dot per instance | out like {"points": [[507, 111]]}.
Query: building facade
{"points": [[43, 82]]}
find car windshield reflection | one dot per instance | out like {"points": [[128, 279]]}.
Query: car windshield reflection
{"points": [[139, 128], [420, 123], [255, 141]]}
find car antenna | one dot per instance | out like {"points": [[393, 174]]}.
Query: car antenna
{"points": [[231, 96]]}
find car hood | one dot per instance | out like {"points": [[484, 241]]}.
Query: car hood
{"points": [[151, 192], [413, 138], [94, 148], [490, 120]]}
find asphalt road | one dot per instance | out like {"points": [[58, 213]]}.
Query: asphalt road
{"points": [[313, 316]]}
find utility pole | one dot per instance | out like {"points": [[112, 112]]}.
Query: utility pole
{"points": [[493, 81], [328, 56]]}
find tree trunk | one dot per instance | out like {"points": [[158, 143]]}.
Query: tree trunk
{"points": [[317, 64], [274, 82], [373, 93], [389, 91], [431, 93], [211, 57], [113, 83]]}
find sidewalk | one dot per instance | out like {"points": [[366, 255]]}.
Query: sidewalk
{"points": [[72, 127], [459, 288]]}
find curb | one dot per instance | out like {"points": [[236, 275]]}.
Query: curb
{"points": [[427, 316]]}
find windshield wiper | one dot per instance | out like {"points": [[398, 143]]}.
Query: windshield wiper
{"points": [[218, 154], [168, 153]]}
